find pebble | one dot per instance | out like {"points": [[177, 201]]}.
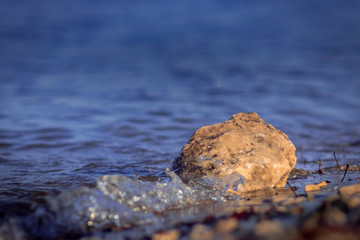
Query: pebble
{"points": [[270, 229], [309, 188], [334, 217], [168, 235], [322, 184], [226, 225], [297, 200], [354, 202], [350, 190], [279, 199], [201, 232]]}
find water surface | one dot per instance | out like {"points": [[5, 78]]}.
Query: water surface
{"points": [[89, 89]]}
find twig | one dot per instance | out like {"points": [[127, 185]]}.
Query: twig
{"points": [[291, 188], [321, 170], [337, 162], [347, 166]]}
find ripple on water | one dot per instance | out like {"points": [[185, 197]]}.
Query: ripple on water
{"points": [[32, 146], [85, 145], [9, 134], [4, 160], [5, 145]]}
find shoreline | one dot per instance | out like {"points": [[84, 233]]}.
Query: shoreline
{"points": [[328, 213], [324, 214], [272, 214]]}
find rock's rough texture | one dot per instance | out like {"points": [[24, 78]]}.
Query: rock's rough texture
{"points": [[244, 145]]}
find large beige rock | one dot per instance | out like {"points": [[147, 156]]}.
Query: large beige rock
{"points": [[244, 145]]}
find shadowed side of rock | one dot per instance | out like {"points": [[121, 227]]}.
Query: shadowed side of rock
{"points": [[244, 145]]}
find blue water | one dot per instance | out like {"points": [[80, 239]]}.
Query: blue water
{"points": [[91, 88]]}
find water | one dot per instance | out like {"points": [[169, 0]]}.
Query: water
{"points": [[90, 89]]}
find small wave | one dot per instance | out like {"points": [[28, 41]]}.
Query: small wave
{"points": [[4, 133], [5, 145], [170, 128], [127, 131], [50, 130], [52, 137], [118, 202], [85, 145], [183, 120], [4, 160], [43, 146], [160, 113]]}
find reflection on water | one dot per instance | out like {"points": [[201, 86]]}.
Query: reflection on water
{"points": [[91, 89]]}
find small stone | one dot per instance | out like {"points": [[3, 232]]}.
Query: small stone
{"points": [[296, 210], [261, 209], [297, 200], [322, 184], [309, 188], [350, 190], [310, 196], [226, 225], [201, 232], [244, 145], [242, 209], [279, 199], [269, 229], [255, 201], [281, 209], [353, 202], [168, 235], [334, 216], [332, 198], [312, 222]]}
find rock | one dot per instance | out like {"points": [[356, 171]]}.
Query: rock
{"points": [[316, 187], [201, 232], [244, 145], [323, 184], [296, 200], [168, 235], [309, 188], [268, 229], [350, 190], [354, 202], [227, 225], [334, 216]]}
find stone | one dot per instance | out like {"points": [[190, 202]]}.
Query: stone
{"points": [[268, 229], [323, 184], [227, 225], [168, 235], [309, 188], [201, 232], [244, 145], [354, 202], [296, 200], [350, 190], [334, 216], [316, 187]]}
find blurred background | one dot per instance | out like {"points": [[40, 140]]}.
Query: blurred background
{"points": [[89, 88]]}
